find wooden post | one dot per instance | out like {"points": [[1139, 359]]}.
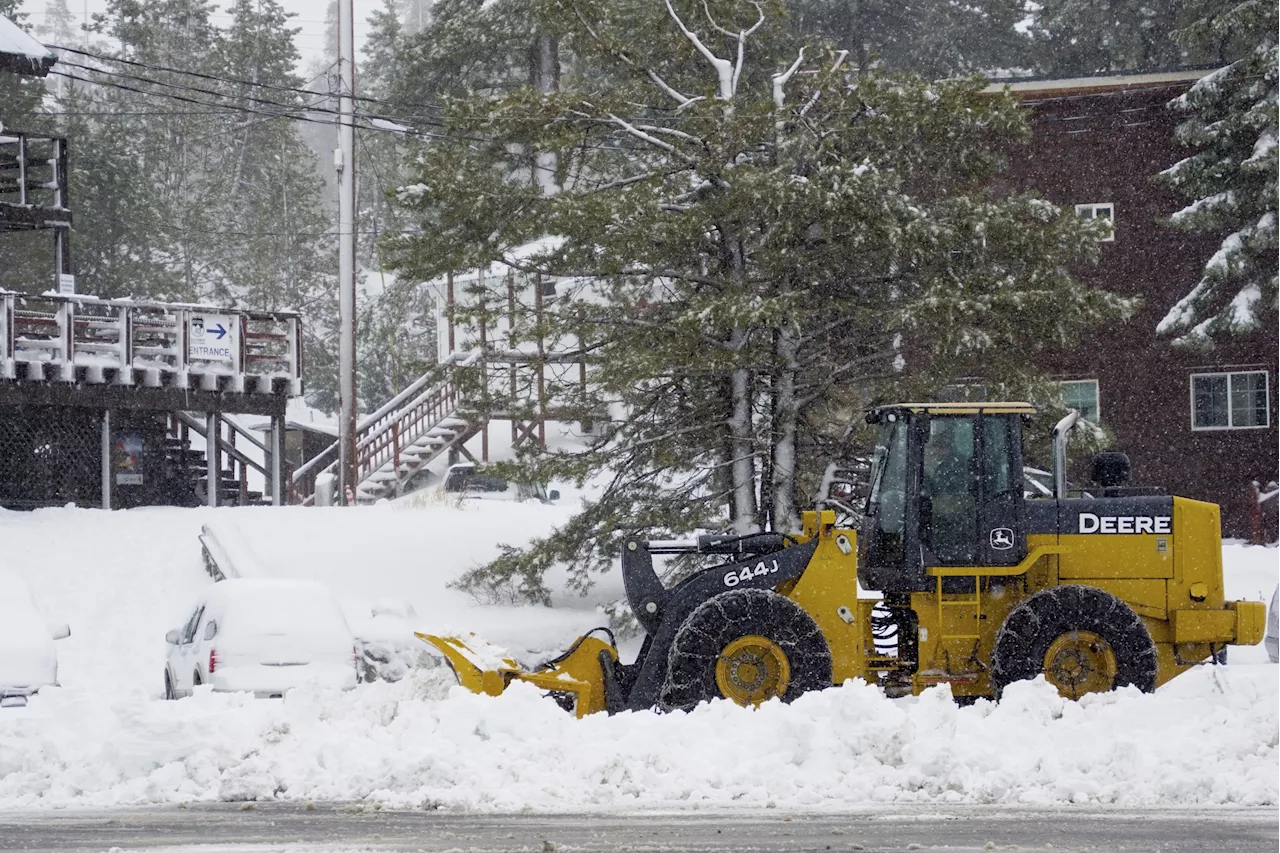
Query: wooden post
{"points": [[511, 344], [1257, 535], [277, 467], [449, 308], [484, 369], [213, 470], [541, 364]]}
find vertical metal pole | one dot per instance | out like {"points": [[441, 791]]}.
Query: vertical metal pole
{"points": [[213, 483], [449, 312], [106, 459], [345, 163], [277, 461]]}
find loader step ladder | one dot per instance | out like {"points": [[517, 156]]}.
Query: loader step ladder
{"points": [[402, 437], [977, 573]]}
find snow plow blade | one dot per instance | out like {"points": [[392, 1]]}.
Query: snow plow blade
{"points": [[575, 678]]}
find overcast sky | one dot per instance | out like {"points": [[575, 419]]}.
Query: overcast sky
{"points": [[308, 15]]}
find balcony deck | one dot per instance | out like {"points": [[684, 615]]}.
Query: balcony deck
{"points": [[65, 349]]}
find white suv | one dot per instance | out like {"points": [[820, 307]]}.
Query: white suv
{"points": [[263, 636]]}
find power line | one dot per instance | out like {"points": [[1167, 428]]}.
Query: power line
{"points": [[196, 89], [292, 116], [201, 75], [213, 77]]}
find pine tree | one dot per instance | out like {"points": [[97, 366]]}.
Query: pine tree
{"points": [[59, 25], [1231, 179], [767, 240], [933, 38], [1079, 37]]}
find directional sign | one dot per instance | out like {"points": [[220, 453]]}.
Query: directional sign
{"points": [[211, 337]]}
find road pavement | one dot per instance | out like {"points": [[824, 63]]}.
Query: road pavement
{"points": [[329, 828]]}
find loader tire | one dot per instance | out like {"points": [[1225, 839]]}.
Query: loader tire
{"points": [[1083, 640], [746, 645]]}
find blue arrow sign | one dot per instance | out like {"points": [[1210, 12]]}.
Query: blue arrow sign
{"points": [[219, 331]]}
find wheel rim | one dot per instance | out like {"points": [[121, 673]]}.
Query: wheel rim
{"points": [[1080, 662], [752, 669]]}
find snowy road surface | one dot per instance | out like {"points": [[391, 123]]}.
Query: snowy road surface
{"points": [[279, 828], [104, 739]]}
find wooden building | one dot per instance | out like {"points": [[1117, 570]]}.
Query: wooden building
{"points": [[1202, 425]]}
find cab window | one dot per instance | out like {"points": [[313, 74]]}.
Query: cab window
{"points": [[888, 499], [949, 504]]}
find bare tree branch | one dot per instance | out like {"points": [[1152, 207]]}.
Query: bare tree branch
{"points": [[724, 71]]}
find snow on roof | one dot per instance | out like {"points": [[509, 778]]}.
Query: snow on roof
{"points": [[22, 54], [1100, 82]]}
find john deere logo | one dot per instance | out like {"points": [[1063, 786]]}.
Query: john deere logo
{"points": [[1002, 538]]}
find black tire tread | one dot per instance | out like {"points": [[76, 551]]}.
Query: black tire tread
{"points": [[1028, 631], [691, 662]]}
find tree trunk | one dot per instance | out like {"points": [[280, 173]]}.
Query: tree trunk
{"points": [[741, 448], [544, 75], [746, 518], [785, 414]]}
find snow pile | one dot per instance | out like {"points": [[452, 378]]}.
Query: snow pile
{"points": [[122, 579], [1208, 739]]}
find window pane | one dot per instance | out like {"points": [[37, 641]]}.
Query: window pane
{"points": [[1210, 401], [996, 472], [1083, 396], [949, 507], [1248, 399]]}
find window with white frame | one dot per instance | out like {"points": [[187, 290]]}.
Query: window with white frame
{"points": [[1100, 210], [1082, 395], [1235, 400]]}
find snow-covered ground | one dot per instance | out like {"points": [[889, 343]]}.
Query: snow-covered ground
{"points": [[122, 579]]}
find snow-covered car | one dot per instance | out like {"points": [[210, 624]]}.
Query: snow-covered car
{"points": [[1272, 638], [28, 659], [264, 636], [464, 480]]}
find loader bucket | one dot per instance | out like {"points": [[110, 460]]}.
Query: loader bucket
{"points": [[482, 667]]}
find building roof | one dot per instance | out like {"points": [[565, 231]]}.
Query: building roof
{"points": [[995, 408], [22, 54], [1053, 87]]}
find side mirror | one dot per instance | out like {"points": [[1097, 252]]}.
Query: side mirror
{"points": [[172, 638], [553, 495], [62, 631]]}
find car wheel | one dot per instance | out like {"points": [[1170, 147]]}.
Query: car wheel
{"points": [[195, 679], [168, 687]]}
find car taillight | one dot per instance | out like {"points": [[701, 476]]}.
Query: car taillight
{"points": [[213, 660]]}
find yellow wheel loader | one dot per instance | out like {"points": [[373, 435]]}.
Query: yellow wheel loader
{"points": [[980, 586]]}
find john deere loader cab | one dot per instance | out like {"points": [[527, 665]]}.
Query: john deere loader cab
{"points": [[946, 490]]}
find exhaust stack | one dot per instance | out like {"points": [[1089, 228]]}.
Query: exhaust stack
{"points": [[1060, 434]]}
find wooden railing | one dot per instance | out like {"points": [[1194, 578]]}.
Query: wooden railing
{"points": [[229, 432], [73, 338], [384, 435]]}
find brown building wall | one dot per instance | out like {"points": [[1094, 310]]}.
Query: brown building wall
{"points": [[1106, 147]]}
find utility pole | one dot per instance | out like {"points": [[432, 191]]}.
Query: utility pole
{"points": [[345, 161]]}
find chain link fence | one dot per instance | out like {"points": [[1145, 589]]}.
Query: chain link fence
{"points": [[50, 456]]}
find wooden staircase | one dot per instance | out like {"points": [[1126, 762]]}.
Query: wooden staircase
{"points": [[401, 438]]}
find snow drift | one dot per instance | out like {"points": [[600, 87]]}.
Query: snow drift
{"points": [[122, 579]]}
